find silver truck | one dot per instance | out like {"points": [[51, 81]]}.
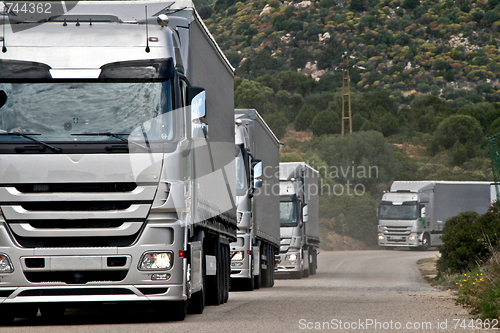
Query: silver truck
{"points": [[299, 220], [414, 213], [253, 254], [117, 177]]}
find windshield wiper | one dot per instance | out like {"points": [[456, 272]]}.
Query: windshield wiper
{"points": [[114, 135], [27, 136]]}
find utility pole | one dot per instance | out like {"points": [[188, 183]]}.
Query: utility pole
{"points": [[346, 81]]}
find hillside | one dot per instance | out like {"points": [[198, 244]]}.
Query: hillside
{"points": [[447, 48], [424, 91]]}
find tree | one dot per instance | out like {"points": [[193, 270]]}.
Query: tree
{"points": [[325, 122], [305, 118], [252, 95], [458, 128]]}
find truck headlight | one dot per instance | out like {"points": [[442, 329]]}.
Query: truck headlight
{"points": [[412, 237], [5, 264], [380, 237], [156, 261], [291, 257], [237, 255]]}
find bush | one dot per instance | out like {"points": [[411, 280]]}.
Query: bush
{"points": [[467, 239], [326, 122], [458, 128]]}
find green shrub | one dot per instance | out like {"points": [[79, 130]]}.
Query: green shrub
{"points": [[467, 241]]}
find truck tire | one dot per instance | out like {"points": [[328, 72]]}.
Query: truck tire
{"points": [[7, 317], [305, 273], [264, 272], [314, 263], [248, 284], [271, 266], [198, 299], [178, 311], [214, 282], [426, 242], [227, 272], [52, 312], [172, 310]]}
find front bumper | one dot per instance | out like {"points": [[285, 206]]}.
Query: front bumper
{"points": [[100, 280], [285, 266], [412, 240]]}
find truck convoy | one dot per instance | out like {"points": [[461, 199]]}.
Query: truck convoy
{"points": [[299, 220], [253, 254], [414, 213], [117, 149]]}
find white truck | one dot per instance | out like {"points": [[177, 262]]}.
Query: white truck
{"points": [[414, 213], [253, 254], [117, 177], [299, 220]]}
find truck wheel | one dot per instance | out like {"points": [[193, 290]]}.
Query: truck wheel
{"points": [[248, 284], [197, 300], [305, 273], [7, 317], [52, 312], [426, 242], [264, 272], [227, 274], [313, 265], [270, 266], [178, 311], [214, 282], [257, 279], [172, 310]]}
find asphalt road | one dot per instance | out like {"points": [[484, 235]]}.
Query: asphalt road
{"points": [[353, 291]]}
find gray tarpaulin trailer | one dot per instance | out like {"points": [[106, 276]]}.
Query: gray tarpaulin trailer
{"points": [[414, 213], [299, 219], [258, 207]]}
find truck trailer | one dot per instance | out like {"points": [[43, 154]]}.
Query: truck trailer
{"points": [[257, 165], [414, 213], [117, 148], [299, 220]]}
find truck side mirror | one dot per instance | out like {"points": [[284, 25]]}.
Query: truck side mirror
{"points": [[196, 98], [305, 215], [422, 211], [257, 173]]}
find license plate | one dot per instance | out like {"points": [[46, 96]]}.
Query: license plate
{"points": [[397, 238]]}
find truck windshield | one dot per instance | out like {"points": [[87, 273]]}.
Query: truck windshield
{"points": [[398, 212], [58, 111], [288, 214]]}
